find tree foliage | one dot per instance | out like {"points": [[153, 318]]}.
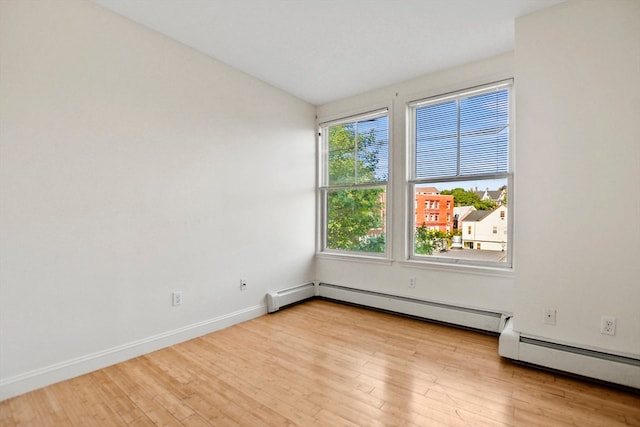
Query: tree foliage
{"points": [[427, 241], [462, 197], [506, 194], [355, 216]]}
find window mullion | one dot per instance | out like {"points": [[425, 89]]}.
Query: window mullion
{"points": [[458, 137], [355, 155]]}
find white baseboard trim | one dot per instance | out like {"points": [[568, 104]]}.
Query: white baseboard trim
{"points": [[593, 364], [32, 380], [483, 320]]}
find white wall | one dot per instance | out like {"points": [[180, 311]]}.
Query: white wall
{"points": [[578, 171], [473, 288], [132, 166]]}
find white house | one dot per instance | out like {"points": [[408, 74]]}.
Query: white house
{"points": [[460, 213], [496, 196], [486, 230]]}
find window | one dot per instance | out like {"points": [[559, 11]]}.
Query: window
{"points": [[354, 171], [459, 147]]}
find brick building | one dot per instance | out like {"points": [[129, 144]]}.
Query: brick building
{"points": [[434, 210]]}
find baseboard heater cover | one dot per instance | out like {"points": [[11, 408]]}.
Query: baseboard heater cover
{"points": [[278, 299], [461, 316], [598, 365]]}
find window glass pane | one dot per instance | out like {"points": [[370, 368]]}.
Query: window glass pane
{"points": [[373, 150], [484, 133], [437, 140], [456, 220], [466, 136], [356, 219], [359, 152], [342, 154]]}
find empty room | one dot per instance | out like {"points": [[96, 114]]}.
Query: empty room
{"points": [[319, 212]]}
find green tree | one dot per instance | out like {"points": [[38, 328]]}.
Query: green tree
{"points": [[463, 197], [352, 214], [427, 241]]}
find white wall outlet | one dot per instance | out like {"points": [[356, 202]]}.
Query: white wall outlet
{"points": [[177, 298], [608, 325], [550, 316], [243, 284], [412, 282]]}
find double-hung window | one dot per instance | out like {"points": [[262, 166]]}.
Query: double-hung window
{"points": [[354, 170], [460, 146]]}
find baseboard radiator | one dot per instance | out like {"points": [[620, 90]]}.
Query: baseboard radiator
{"points": [[279, 299], [487, 321], [598, 365], [459, 316]]}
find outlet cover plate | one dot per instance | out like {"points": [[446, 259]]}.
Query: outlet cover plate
{"points": [[177, 298], [608, 325]]}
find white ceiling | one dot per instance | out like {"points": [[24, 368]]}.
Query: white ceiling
{"points": [[323, 50]]}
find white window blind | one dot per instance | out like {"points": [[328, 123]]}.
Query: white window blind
{"points": [[463, 135]]}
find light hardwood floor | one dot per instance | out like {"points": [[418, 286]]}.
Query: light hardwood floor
{"points": [[325, 364]]}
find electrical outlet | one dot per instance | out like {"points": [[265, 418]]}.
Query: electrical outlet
{"points": [[608, 325], [177, 298], [243, 284], [412, 282], [550, 316]]}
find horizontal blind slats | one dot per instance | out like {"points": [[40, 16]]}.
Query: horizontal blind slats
{"points": [[463, 136]]}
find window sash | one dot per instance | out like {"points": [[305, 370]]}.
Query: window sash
{"points": [[458, 137], [374, 149], [469, 257], [341, 240]]}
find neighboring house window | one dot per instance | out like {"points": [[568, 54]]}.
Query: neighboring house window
{"points": [[460, 143], [354, 165]]}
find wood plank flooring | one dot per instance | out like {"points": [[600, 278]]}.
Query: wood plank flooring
{"points": [[325, 364]]}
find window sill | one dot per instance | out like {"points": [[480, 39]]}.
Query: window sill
{"points": [[504, 272], [369, 259]]}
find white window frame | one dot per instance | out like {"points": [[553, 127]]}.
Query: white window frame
{"points": [[412, 181], [323, 187]]}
